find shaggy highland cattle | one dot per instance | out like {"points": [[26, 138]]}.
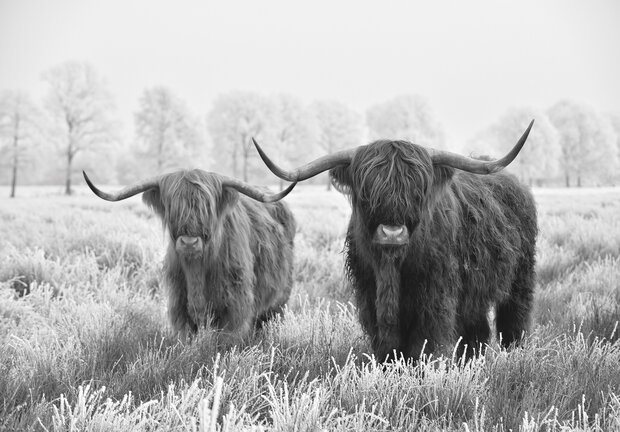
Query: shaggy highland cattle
{"points": [[432, 245], [230, 258]]}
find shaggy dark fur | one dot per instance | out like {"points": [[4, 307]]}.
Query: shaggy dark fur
{"points": [[230, 258], [471, 246]]}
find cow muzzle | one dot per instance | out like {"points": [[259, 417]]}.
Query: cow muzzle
{"points": [[189, 245], [391, 235]]}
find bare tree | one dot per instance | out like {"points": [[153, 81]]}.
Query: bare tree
{"points": [[166, 130], [539, 159], [339, 127], [406, 117], [18, 131], [587, 140], [235, 119], [80, 106]]}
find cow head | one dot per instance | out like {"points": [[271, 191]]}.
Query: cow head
{"points": [[393, 185], [191, 205], [390, 184]]}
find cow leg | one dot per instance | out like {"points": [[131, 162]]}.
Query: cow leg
{"points": [[268, 316], [437, 338], [237, 325], [238, 318], [474, 336], [432, 328], [367, 314], [512, 317], [177, 312]]}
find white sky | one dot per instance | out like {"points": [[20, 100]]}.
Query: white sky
{"points": [[471, 59]]}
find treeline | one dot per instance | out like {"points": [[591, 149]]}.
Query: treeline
{"points": [[76, 127]]}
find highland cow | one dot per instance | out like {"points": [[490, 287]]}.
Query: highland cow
{"points": [[230, 258], [435, 240]]}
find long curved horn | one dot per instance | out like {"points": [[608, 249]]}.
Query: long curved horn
{"points": [[477, 166], [311, 169], [253, 191], [129, 191]]}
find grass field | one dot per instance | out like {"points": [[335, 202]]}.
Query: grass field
{"points": [[87, 346]]}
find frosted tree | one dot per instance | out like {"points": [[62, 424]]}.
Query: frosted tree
{"points": [[294, 129], [19, 132], [587, 140], [80, 106], [233, 121], [167, 134], [405, 117], [540, 157], [339, 127], [614, 121]]}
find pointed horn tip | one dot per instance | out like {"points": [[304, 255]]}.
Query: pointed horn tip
{"points": [[259, 148], [284, 192], [95, 189], [529, 127], [526, 133], [507, 160], [90, 183], [262, 153]]}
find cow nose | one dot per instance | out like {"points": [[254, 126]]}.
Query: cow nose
{"points": [[189, 247], [392, 235], [188, 241], [391, 231]]}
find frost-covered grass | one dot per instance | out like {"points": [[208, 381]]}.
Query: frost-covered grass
{"points": [[85, 344]]}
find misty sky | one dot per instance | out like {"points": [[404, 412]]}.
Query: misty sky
{"points": [[471, 59]]}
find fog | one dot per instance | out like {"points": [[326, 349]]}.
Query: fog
{"points": [[471, 60]]}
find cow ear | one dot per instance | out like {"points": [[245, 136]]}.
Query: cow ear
{"points": [[228, 199], [152, 198], [340, 178]]}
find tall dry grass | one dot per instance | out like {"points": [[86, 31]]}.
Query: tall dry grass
{"points": [[85, 345]]}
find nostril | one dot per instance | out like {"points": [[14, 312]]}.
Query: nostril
{"points": [[189, 241], [392, 231]]}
